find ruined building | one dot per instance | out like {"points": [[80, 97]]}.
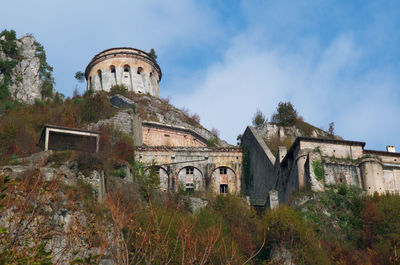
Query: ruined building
{"points": [[311, 164], [181, 153], [130, 67]]}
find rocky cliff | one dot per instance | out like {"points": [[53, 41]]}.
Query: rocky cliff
{"points": [[30, 77]]}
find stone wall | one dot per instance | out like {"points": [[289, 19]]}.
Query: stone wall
{"points": [[206, 168], [126, 121], [124, 66]]}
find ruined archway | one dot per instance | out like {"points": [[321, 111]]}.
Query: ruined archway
{"points": [[223, 180], [190, 178], [163, 174]]}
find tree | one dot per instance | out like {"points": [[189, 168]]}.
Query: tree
{"points": [[258, 119], [80, 76], [285, 115], [153, 54], [331, 130]]}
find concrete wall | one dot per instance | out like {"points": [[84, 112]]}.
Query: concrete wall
{"points": [[334, 149], [261, 177], [391, 179], [130, 67], [205, 161]]}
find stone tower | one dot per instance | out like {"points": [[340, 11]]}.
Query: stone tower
{"points": [[134, 68]]}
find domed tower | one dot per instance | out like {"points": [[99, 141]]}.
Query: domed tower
{"points": [[134, 68]]}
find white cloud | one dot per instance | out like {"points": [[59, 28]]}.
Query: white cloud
{"points": [[323, 88]]}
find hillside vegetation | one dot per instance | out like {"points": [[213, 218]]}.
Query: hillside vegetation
{"points": [[60, 220]]}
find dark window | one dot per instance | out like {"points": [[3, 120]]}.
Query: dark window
{"points": [[223, 188], [139, 70], [126, 68], [189, 170], [222, 171], [189, 186], [112, 68], [100, 78]]}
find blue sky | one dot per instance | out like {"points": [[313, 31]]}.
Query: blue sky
{"points": [[334, 60]]}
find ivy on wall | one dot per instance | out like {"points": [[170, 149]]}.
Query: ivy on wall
{"points": [[318, 169]]}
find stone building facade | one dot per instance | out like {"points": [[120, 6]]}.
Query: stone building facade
{"points": [[217, 170], [180, 154], [130, 67], [315, 163]]}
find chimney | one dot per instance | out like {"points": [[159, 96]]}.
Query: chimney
{"points": [[281, 153], [390, 148]]}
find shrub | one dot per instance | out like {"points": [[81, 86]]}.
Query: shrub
{"points": [[286, 227], [258, 119], [118, 89], [212, 141]]}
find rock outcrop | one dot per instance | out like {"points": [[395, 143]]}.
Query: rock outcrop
{"points": [[26, 82]]}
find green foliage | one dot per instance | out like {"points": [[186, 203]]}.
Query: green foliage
{"points": [[153, 55], [258, 119], [118, 89], [285, 115], [45, 71], [39, 102], [148, 179], [286, 227], [80, 76], [212, 141], [8, 46], [336, 212], [318, 169], [78, 100]]}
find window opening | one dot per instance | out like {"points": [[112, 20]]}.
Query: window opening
{"points": [[112, 68], [223, 188], [100, 78], [222, 171], [139, 70], [189, 170]]}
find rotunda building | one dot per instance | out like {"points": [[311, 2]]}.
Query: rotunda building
{"points": [[130, 67]]}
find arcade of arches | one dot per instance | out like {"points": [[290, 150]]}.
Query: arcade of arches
{"points": [[192, 168]]}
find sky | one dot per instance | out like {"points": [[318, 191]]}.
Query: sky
{"points": [[335, 61]]}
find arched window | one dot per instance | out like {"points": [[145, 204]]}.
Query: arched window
{"points": [[113, 73], [126, 68], [139, 70], [151, 74], [100, 78]]}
